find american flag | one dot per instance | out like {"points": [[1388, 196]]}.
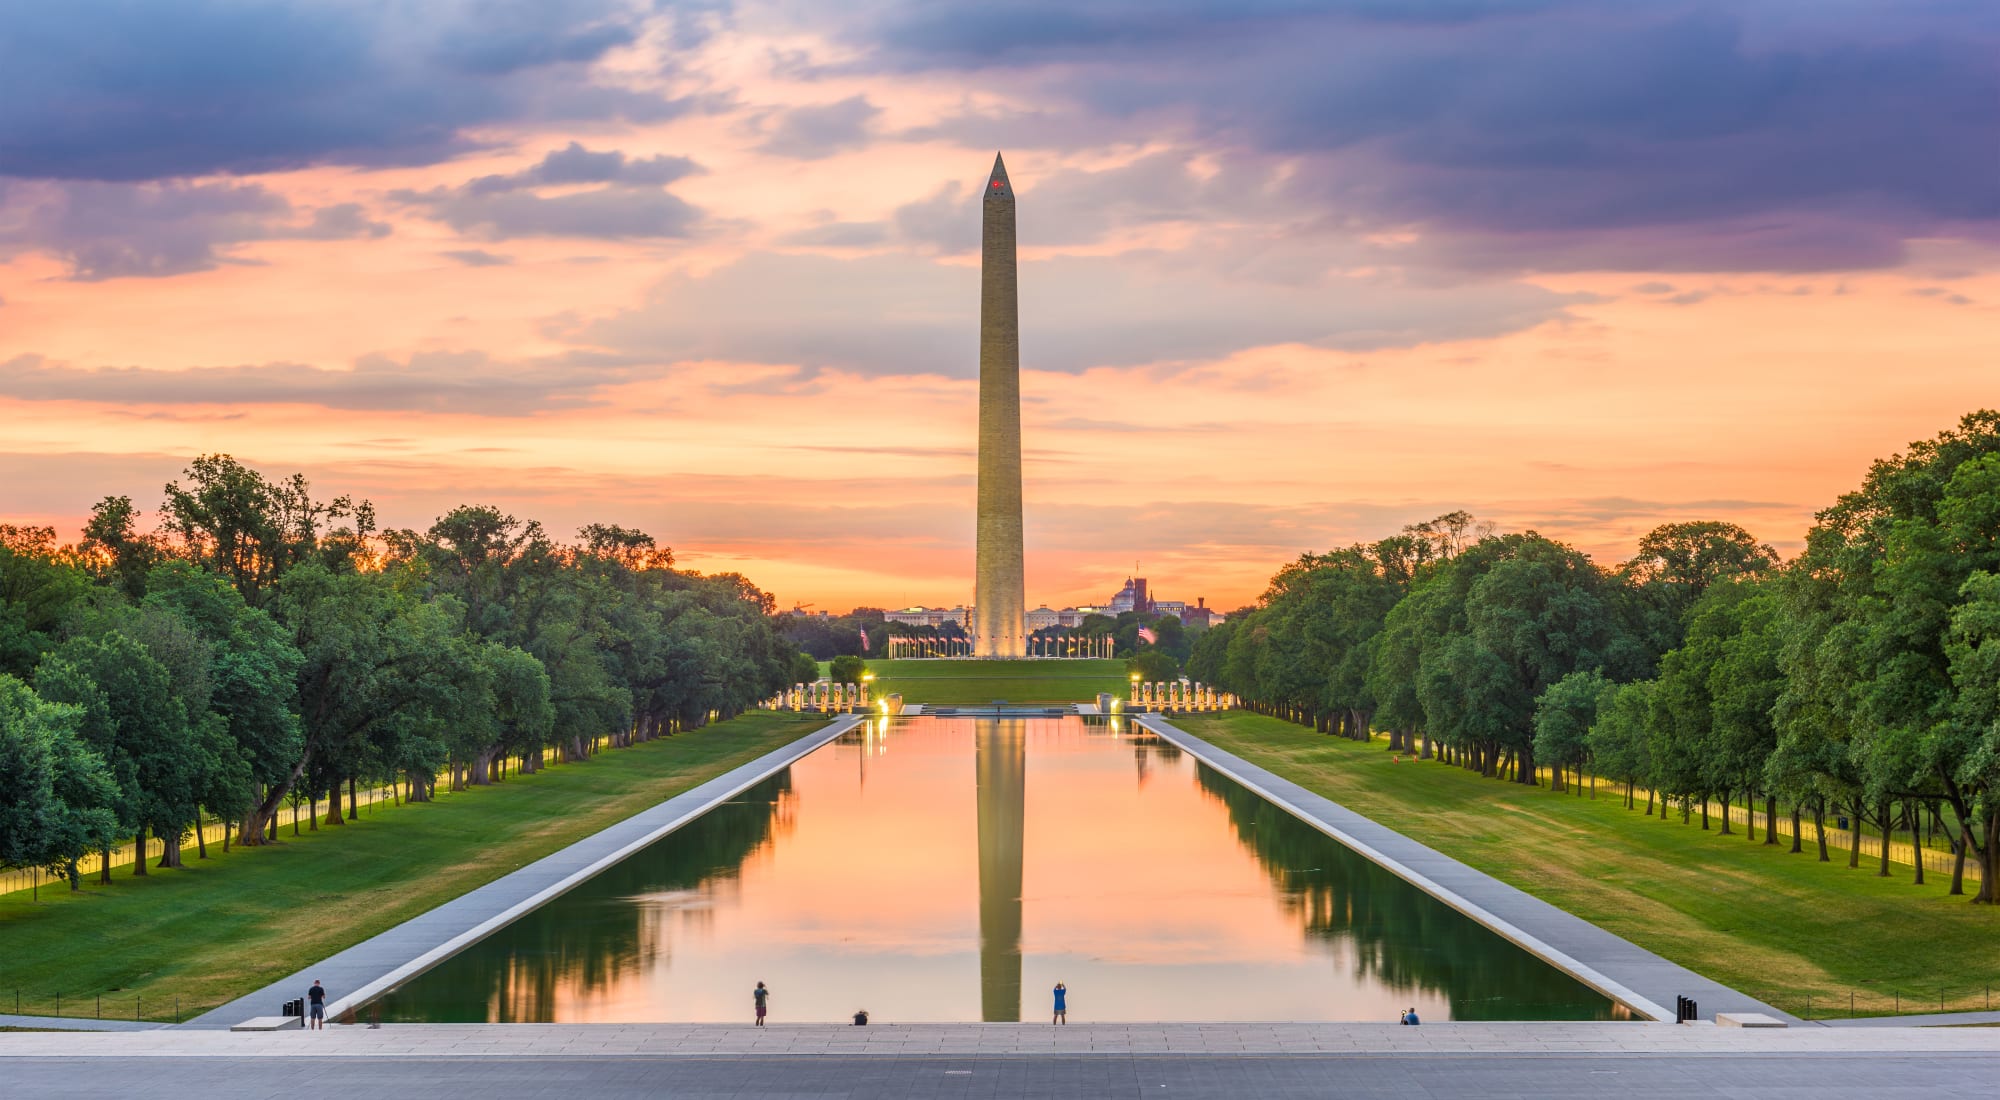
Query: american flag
{"points": [[864, 639], [1146, 635]]}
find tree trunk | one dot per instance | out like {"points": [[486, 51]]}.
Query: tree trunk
{"points": [[353, 800], [1989, 857], [1957, 862], [1888, 830], [333, 803], [1854, 838], [1819, 827], [104, 866], [260, 826], [1771, 819], [1556, 780], [1797, 840], [1916, 840], [200, 842], [1704, 815], [1725, 814], [312, 814], [139, 852], [170, 850]]}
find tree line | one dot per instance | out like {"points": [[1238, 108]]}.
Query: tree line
{"points": [[1861, 678], [261, 645]]}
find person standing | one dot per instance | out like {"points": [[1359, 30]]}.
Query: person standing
{"points": [[316, 1005], [761, 995], [1062, 1006]]}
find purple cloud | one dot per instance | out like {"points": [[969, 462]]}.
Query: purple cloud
{"points": [[1548, 135], [118, 230], [135, 90]]}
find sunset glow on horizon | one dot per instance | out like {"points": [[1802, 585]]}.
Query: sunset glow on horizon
{"points": [[1290, 279]]}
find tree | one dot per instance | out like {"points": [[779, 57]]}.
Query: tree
{"points": [[252, 679], [112, 543], [235, 523], [56, 795], [1618, 741], [846, 669], [36, 591], [133, 720], [1211, 650], [1500, 623], [1881, 588], [1563, 717], [1153, 666], [1743, 687]]}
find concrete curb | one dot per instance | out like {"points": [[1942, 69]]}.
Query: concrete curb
{"points": [[457, 935], [77, 1023], [1271, 788]]}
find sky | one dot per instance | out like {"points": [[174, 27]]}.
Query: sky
{"points": [[1293, 274]]}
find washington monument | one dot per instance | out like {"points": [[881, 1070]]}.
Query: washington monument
{"points": [[999, 591]]}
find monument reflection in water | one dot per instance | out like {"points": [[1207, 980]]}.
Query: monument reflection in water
{"points": [[954, 869]]}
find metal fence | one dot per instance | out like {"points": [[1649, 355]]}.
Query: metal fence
{"points": [[1937, 861], [116, 1004], [1885, 999]]}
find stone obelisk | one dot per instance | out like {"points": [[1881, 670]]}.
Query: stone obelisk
{"points": [[999, 589]]}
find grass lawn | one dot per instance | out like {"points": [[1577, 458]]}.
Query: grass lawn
{"points": [[1035, 680], [231, 924], [1775, 925]]}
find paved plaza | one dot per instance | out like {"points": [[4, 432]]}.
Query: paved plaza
{"points": [[1000, 1040], [607, 1062]]}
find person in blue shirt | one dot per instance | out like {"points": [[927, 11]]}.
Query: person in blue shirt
{"points": [[1062, 1006], [1410, 1017]]}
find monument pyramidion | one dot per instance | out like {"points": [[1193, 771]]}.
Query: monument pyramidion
{"points": [[1000, 603]]}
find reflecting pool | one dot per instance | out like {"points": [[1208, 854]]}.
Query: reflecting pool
{"points": [[955, 869]]}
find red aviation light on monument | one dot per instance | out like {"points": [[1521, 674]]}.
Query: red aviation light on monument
{"points": [[997, 186]]}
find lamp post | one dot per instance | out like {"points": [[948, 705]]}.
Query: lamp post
{"points": [[867, 680], [1135, 689]]}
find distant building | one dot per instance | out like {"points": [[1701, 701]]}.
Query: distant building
{"points": [[1138, 596], [1074, 616], [1200, 614], [1132, 597], [929, 616], [1042, 618]]}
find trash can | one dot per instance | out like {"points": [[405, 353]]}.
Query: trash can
{"points": [[296, 1007]]}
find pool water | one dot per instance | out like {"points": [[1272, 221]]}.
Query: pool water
{"points": [[956, 869]]}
